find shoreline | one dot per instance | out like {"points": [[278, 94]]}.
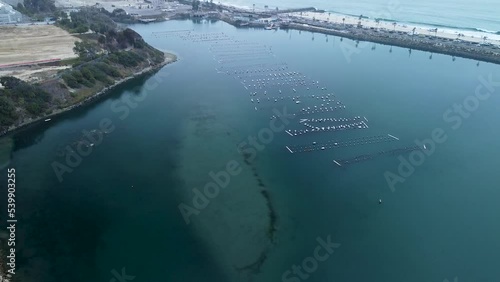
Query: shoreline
{"points": [[169, 58], [368, 16], [465, 44]]}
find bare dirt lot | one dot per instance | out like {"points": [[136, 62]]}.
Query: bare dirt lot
{"points": [[22, 44], [28, 44]]}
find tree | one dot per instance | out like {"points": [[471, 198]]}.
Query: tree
{"points": [[343, 21], [394, 24], [33, 7], [196, 5]]}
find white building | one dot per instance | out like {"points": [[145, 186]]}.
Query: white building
{"points": [[8, 14]]}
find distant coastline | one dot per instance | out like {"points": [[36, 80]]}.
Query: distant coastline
{"points": [[474, 45], [399, 11]]}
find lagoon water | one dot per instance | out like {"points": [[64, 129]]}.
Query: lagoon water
{"points": [[119, 208]]}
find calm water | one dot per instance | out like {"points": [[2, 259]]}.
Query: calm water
{"points": [[118, 208], [447, 13]]}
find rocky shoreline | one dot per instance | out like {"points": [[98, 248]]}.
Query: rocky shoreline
{"points": [[427, 44], [435, 43], [169, 58]]}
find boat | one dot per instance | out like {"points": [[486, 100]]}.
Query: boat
{"points": [[271, 26], [48, 119]]}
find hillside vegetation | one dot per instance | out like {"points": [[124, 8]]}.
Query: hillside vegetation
{"points": [[106, 54]]}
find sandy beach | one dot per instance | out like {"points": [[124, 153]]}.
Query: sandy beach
{"points": [[465, 35]]}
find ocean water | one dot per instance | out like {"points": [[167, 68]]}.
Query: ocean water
{"points": [[459, 14], [118, 209]]}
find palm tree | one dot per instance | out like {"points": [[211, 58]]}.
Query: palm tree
{"points": [[435, 32], [394, 24], [484, 39], [254, 7], [414, 30], [343, 21], [360, 17]]}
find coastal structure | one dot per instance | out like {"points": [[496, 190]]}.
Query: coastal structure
{"points": [[8, 15], [476, 45]]}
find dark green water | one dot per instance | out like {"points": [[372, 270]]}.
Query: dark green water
{"points": [[118, 208]]}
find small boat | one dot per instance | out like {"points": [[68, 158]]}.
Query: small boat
{"points": [[48, 119], [270, 27]]}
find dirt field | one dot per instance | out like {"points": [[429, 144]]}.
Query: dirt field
{"points": [[21, 44]]}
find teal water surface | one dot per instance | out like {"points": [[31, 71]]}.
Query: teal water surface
{"points": [[119, 207]]}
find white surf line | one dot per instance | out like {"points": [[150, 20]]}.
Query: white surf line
{"points": [[337, 163], [393, 137], [365, 124], [288, 133], [289, 149], [365, 119]]}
